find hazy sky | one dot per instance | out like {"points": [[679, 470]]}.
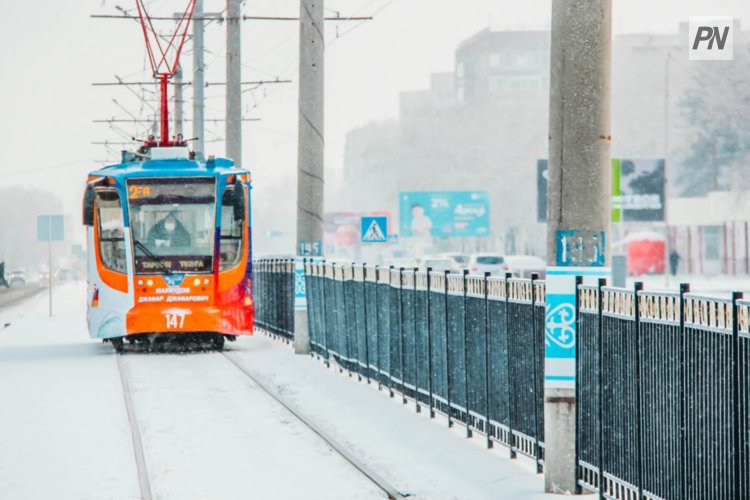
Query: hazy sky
{"points": [[51, 52]]}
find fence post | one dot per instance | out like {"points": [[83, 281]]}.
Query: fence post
{"points": [[417, 406], [736, 444], [429, 345], [364, 323], [507, 366], [469, 432], [601, 283], [579, 282], [684, 289], [447, 357], [323, 303], [390, 330], [378, 272], [535, 354], [637, 287], [487, 391], [401, 331]]}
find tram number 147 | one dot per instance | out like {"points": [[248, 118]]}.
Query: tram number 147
{"points": [[175, 320]]}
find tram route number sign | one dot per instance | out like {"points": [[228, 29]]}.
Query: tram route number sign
{"points": [[50, 228]]}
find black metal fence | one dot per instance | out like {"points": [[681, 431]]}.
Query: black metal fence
{"points": [[662, 386], [273, 296], [663, 394], [471, 348]]}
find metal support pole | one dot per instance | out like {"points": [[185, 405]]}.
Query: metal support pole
{"points": [[310, 164], [579, 202], [234, 90], [199, 73], [178, 100]]}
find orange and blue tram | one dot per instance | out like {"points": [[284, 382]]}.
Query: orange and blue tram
{"points": [[169, 249]]}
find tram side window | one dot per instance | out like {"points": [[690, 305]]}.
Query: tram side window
{"points": [[111, 230], [231, 233]]}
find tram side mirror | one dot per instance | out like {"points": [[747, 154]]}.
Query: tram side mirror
{"points": [[238, 201], [88, 205]]}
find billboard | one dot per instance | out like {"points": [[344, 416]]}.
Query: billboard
{"points": [[444, 213], [639, 195], [637, 190]]}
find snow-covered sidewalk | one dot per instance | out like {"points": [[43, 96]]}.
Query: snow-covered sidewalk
{"points": [[418, 455]]}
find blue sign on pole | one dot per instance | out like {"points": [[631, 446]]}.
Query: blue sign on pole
{"points": [[374, 229], [579, 253], [50, 228], [444, 213]]}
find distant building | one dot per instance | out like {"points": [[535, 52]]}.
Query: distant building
{"points": [[485, 125], [495, 65]]}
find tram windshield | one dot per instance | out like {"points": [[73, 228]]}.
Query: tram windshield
{"points": [[173, 222]]}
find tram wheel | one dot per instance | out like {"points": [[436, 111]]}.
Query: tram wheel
{"points": [[218, 342], [118, 344]]}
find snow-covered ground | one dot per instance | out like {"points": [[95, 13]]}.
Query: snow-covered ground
{"points": [[209, 431]]}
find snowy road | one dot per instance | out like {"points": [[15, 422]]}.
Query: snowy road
{"points": [[209, 431]]}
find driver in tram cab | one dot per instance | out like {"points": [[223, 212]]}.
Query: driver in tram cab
{"points": [[168, 232]]}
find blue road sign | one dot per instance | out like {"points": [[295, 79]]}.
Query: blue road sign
{"points": [[374, 229], [50, 228]]}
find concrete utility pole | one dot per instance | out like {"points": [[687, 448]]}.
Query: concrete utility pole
{"points": [[310, 166], [178, 101], [579, 204], [234, 90], [199, 73]]}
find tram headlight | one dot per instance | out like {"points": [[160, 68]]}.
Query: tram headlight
{"points": [[140, 282], [205, 281], [150, 283], [196, 282]]}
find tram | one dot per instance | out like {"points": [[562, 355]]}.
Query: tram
{"points": [[169, 250]]}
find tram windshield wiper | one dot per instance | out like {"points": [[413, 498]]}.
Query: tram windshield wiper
{"points": [[153, 257]]}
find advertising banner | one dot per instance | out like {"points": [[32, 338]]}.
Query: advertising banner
{"points": [[444, 213], [637, 190]]}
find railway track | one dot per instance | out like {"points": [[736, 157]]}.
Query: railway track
{"points": [[138, 450], [135, 433], [390, 490]]}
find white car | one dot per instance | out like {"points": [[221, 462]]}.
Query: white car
{"points": [[439, 264], [493, 263], [461, 259], [523, 266]]}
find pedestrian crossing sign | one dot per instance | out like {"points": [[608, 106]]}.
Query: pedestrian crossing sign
{"points": [[374, 229]]}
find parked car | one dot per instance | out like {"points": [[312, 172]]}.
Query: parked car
{"points": [[461, 259], [493, 263], [16, 278], [523, 266], [437, 263]]}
